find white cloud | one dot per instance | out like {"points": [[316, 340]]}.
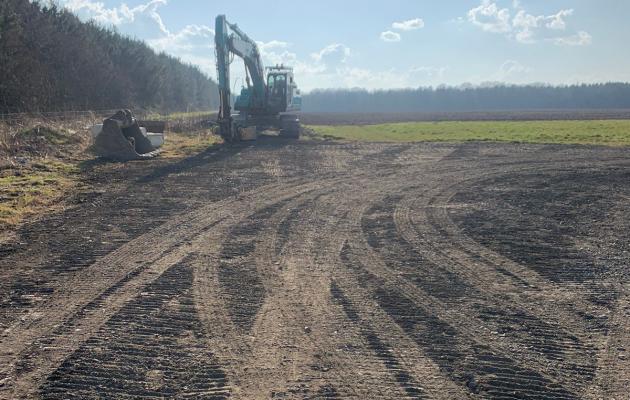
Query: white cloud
{"points": [[389, 36], [530, 27], [490, 17], [330, 67], [321, 68], [192, 44], [206, 63], [525, 27], [117, 16], [146, 22], [332, 54], [579, 39], [428, 72], [324, 61], [189, 38], [557, 21], [512, 68], [409, 25], [277, 52], [273, 45], [98, 11], [354, 77]]}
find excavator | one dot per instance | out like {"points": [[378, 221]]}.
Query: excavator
{"points": [[268, 102], [263, 103]]}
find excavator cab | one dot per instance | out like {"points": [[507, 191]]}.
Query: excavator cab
{"points": [[281, 89]]}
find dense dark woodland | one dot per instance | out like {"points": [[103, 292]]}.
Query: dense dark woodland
{"points": [[51, 61], [493, 98]]}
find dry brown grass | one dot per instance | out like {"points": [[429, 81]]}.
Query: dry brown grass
{"points": [[44, 138], [38, 166], [40, 163], [180, 145]]}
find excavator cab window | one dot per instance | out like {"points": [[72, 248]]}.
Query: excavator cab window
{"points": [[271, 82], [277, 87], [281, 86]]}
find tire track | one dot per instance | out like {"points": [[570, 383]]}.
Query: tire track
{"points": [[99, 291], [348, 277], [396, 283], [277, 356], [430, 221], [383, 351], [161, 354], [468, 358], [571, 355], [243, 289], [538, 327], [406, 363]]}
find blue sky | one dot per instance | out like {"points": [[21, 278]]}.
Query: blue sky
{"points": [[394, 43]]}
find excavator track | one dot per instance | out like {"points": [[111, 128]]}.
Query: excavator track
{"points": [[315, 270]]}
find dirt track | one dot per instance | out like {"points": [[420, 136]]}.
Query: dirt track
{"points": [[325, 271]]}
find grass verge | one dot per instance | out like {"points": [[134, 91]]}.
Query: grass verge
{"points": [[604, 132], [40, 166], [39, 186]]}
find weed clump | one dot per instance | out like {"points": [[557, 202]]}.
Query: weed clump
{"points": [[40, 141], [38, 166]]}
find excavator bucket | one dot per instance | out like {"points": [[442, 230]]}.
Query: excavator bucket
{"points": [[122, 139]]}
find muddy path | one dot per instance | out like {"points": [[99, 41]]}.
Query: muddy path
{"points": [[304, 270]]}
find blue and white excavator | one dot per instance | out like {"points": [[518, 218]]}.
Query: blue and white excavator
{"points": [[263, 103]]}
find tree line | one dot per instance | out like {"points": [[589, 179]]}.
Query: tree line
{"points": [[496, 97], [51, 61]]}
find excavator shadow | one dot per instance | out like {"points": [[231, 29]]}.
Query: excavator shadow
{"points": [[214, 154]]}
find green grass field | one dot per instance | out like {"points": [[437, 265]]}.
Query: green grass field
{"points": [[604, 132]]}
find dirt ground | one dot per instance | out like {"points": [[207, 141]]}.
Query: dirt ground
{"points": [[322, 270]]}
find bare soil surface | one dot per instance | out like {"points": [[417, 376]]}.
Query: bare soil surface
{"points": [[317, 270], [384, 118]]}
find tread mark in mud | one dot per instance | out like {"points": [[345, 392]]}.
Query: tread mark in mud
{"points": [[469, 363], [327, 392], [550, 341], [380, 348], [574, 358], [472, 365], [379, 227], [69, 324], [284, 226], [553, 342], [153, 347], [238, 275], [542, 222], [526, 218]]}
